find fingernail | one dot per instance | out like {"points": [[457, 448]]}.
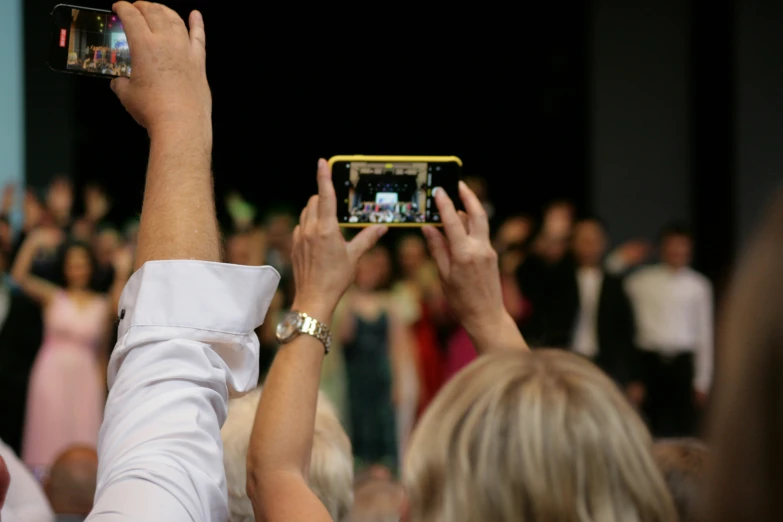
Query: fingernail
{"points": [[321, 163], [462, 185], [197, 16], [382, 230], [435, 191], [112, 85]]}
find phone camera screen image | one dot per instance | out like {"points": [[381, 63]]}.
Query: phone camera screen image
{"points": [[97, 44], [399, 193]]}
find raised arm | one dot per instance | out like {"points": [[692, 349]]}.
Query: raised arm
{"points": [[185, 337], [281, 443], [468, 268], [39, 289]]}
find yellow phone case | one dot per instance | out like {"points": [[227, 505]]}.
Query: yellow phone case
{"points": [[392, 159]]}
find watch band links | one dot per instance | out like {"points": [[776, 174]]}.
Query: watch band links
{"points": [[316, 329]]}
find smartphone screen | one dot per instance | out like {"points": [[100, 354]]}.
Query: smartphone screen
{"points": [[392, 193], [89, 41]]}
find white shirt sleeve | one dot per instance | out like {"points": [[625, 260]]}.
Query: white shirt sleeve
{"points": [[703, 360], [186, 341], [25, 501]]}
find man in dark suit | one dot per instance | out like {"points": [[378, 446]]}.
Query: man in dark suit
{"points": [[589, 312]]}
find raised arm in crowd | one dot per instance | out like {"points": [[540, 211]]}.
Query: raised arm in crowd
{"points": [[186, 327]]}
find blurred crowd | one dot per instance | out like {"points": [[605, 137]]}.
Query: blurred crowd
{"points": [[396, 342]]}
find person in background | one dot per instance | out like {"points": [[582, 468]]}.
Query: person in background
{"points": [[34, 215], [97, 204], [591, 314], [67, 383], [59, 201], [25, 500], [106, 243], [378, 356], [420, 301], [511, 243], [331, 461], [673, 305], [683, 463], [71, 483], [544, 264]]}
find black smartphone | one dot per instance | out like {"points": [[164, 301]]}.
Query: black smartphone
{"points": [[393, 190], [86, 41]]}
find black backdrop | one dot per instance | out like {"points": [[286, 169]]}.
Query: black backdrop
{"points": [[507, 94]]}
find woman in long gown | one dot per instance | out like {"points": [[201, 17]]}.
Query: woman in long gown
{"points": [[67, 386], [376, 350]]}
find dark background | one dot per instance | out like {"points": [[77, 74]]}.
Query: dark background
{"points": [[639, 113], [287, 92]]}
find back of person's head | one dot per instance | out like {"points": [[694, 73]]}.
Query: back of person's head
{"points": [[683, 463], [746, 475], [72, 480], [533, 436], [377, 500], [331, 464]]}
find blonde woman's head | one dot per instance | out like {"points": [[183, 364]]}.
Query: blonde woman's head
{"points": [[331, 461], [523, 436]]}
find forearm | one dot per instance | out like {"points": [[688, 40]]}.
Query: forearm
{"points": [[178, 214], [23, 262], [494, 333], [282, 438]]}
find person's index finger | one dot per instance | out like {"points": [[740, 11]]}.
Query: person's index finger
{"points": [[133, 22], [327, 200], [475, 210], [452, 224]]}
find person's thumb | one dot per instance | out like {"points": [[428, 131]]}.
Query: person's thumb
{"points": [[120, 87], [365, 240]]}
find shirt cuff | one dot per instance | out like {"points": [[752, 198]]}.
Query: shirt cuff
{"points": [[213, 303]]}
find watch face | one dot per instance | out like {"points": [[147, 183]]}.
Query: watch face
{"points": [[288, 327]]}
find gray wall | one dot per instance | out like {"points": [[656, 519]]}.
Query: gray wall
{"points": [[759, 108], [640, 132]]}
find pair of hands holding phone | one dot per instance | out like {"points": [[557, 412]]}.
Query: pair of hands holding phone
{"points": [[324, 263]]}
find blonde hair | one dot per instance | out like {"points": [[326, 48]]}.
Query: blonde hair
{"points": [[521, 436], [331, 464]]}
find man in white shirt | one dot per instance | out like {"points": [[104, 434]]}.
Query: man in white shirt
{"points": [[674, 317], [186, 322]]}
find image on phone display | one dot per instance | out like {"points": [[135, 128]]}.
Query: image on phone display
{"points": [[97, 44], [391, 193]]}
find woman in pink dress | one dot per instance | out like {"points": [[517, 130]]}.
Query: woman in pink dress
{"points": [[67, 384]]}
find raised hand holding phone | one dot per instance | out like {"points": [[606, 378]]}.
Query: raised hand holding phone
{"points": [[469, 272], [169, 82]]}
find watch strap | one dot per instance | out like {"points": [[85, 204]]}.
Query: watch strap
{"points": [[317, 329]]}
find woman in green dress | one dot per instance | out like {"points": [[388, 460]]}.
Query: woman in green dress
{"points": [[376, 352]]}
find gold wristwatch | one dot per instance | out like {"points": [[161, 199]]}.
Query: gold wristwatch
{"points": [[295, 323]]}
